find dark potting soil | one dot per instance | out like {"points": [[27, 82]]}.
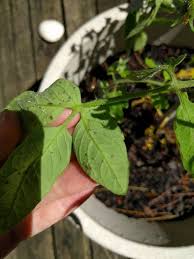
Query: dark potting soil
{"points": [[159, 187]]}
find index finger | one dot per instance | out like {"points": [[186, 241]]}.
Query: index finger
{"points": [[62, 117]]}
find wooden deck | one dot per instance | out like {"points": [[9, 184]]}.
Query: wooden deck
{"points": [[24, 57]]}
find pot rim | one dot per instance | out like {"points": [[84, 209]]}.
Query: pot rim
{"points": [[126, 247], [55, 68], [91, 227]]}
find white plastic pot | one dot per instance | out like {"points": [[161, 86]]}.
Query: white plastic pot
{"points": [[90, 45]]}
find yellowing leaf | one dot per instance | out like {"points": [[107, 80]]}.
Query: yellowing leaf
{"points": [[185, 73]]}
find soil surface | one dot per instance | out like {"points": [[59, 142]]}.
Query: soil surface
{"points": [[159, 187]]}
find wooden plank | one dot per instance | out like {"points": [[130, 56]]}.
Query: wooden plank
{"points": [[70, 242], [39, 247], [7, 65], [16, 62], [78, 12], [103, 5], [41, 10], [8, 88], [5, 35], [22, 46], [99, 252]]}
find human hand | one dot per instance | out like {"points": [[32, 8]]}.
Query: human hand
{"points": [[71, 188]]}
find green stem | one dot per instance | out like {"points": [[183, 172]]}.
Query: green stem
{"points": [[163, 20], [184, 84], [149, 81], [125, 98], [174, 86]]}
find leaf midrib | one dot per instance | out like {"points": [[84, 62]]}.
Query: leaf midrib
{"points": [[98, 147], [25, 175], [190, 129]]}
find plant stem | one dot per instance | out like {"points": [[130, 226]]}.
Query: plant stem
{"points": [[152, 82], [163, 20], [184, 84], [125, 98], [176, 87], [173, 86]]}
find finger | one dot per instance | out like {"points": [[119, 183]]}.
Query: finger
{"points": [[71, 130], [70, 190], [62, 117], [10, 133]]}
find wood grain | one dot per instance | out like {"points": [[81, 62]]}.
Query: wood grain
{"points": [[78, 12], [22, 45], [5, 35], [99, 252], [43, 51], [16, 62], [38, 247], [70, 242], [103, 5]]}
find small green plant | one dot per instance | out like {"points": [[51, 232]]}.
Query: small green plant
{"points": [[98, 143], [143, 13]]}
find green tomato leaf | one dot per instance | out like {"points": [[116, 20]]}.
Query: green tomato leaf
{"points": [[184, 129], [166, 76], [133, 16], [160, 102], [168, 3], [46, 105], [191, 13], [150, 62], [104, 89], [174, 62], [144, 74], [140, 41], [100, 149], [181, 9], [34, 165], [116, 111], [147, 19], [30, 172], [122, 68]]}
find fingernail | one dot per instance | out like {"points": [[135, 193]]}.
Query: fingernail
{"points": [[68, 112], [61, 118]]}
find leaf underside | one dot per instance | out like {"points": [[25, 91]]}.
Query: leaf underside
{"points": [[46, 106], [184, 129], [100, 149], [30, 172], [32, 168]]}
